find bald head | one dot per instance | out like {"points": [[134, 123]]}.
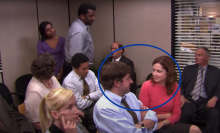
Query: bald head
{"points": [[202, 56], [117, 54]]}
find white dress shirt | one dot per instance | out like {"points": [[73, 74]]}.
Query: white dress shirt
{"points": [[74, 82], [110, 118]]}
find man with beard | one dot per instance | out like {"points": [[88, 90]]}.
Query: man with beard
{"points": [[79, 39]]}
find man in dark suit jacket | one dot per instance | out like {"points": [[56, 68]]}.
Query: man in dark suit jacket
{"points": [[12, 121], [200, 90], [118, 56]]}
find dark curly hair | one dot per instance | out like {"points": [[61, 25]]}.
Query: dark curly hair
{"points": [[168, 64], [43, 66], [84, 7]]}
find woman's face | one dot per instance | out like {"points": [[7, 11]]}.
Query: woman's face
{"points": [[70, 111], [159, 74], [50, 31]]}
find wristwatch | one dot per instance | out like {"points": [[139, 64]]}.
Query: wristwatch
{"points": [[87, 97], [143, 128], [164, 123]]}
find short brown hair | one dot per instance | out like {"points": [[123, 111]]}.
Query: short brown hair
{"points": [[169, 65], [43, 66], [113, 71]]}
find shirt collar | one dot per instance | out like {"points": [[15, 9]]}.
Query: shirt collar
{"points": [[117, 59], [82, 24], [76, 75], [204, 68], [113, 97]]}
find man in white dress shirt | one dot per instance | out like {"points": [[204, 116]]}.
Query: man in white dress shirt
{"points": [[85, 87], [109, 118]]}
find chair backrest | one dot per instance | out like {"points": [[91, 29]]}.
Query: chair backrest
{"points": [[21, 108], [6, 94], [21, 84], [149, 76]]}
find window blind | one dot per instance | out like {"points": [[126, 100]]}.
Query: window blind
{"points": [[197, 24]]}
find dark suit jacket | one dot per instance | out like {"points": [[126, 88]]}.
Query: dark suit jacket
{"points": [[128, 62], [13, 120], [211, 82]]}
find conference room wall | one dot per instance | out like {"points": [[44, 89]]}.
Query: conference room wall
{"points": [[143, 22], [136, 21], [56, 12], [18, 42], [18, 38]]}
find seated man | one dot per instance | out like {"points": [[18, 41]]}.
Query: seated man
{"points": [[200, 90], [85, 87], [118, 56], [12, 121], [109, 118]]}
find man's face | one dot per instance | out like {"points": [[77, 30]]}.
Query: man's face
{"points": [[124, 86], [89, 17], [201, 58], [83, 70], [116, 54]]}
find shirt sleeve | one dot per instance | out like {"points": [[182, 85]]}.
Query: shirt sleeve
{"points": [[97, 93], [76, 43], [40, 48], [22, 121], [109, 120], [176, 112], [32, 104], [81, 103], [144, 95]]}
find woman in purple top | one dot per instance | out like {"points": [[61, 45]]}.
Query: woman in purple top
{"points": [[53, 44]]}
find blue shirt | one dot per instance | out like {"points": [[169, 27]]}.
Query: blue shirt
{"points": [[110, 118]]}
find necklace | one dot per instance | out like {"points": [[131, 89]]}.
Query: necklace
{"points": [[48, 83]]}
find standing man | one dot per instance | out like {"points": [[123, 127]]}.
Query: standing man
{"points": [[85, 87], [200, 91], [79, 39], [118, 56]]}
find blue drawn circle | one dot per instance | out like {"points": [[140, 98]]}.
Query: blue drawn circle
{"points": [[140, 45]]}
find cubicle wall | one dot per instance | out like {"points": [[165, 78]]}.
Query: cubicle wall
{"points": [[126, 21]]}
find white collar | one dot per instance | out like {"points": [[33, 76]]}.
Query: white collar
{"points": [[117, 59]]}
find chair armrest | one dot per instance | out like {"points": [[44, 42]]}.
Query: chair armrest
{"points": [[18, 94]]}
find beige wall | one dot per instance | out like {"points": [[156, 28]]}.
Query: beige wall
{"points": [[18, 38], [143, 22], [136, 21], [55, 12], [18, 42]]}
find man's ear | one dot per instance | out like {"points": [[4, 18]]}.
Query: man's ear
{"points": [[55, 115], [121, 51], [116, 83], [82, 16], [74, 68]]}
